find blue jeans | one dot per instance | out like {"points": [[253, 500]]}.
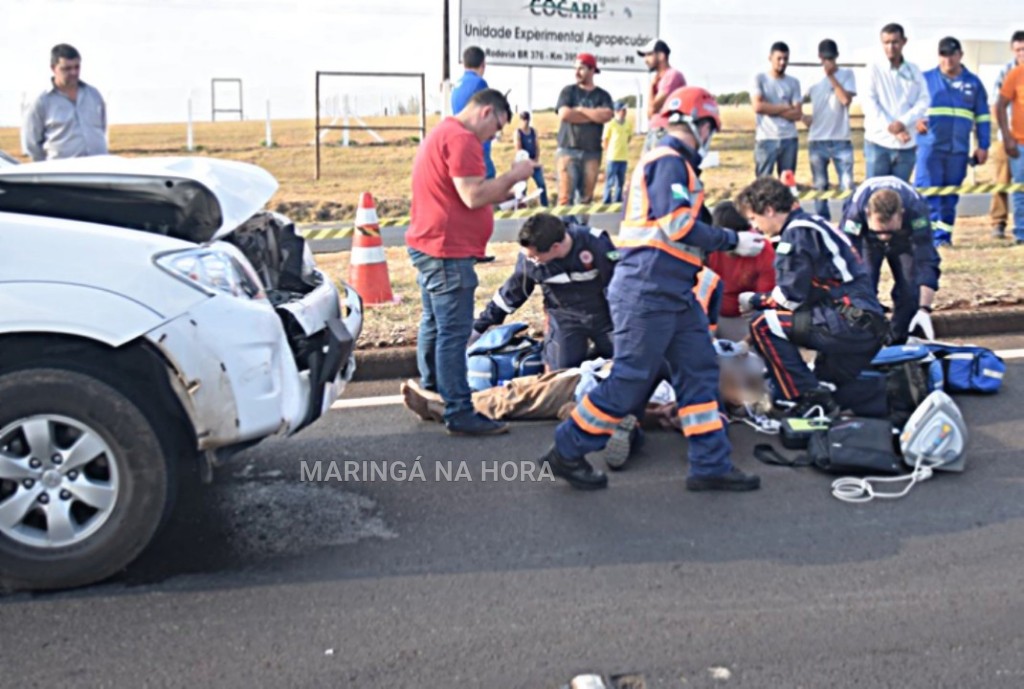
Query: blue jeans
{"points": [[446, 288], [774, 154], [880, 161], [614, 180], [1017, 197], [941, 169], [840, 154], [538, 178]]}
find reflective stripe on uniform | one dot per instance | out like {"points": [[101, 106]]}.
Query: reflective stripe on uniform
{"points": [[501, 303], [684, 252], [764, 343], [664, 233], [952, 112], [830, 244], [780, 298], [566, 278], [362, 255], [707, 282], [592, 420], [698, 419], [771, 317]]}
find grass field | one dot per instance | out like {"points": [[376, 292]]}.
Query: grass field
{"points": [[384, 170], [977, 272]]}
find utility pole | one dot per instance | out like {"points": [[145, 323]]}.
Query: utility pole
{"points": [[446, 73]]}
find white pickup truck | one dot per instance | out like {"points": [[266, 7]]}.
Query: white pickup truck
{"points": [[153, 322]]}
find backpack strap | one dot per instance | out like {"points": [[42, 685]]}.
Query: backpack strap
{"points": [[767, 454]]}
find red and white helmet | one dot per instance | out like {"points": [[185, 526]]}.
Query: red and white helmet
{"points": [[691, 104]]}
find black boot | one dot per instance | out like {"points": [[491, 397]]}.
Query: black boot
{"points": [[735, 480], [578, 473]]}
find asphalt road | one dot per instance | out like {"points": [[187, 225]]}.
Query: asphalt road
{"points": [[268, 580]]}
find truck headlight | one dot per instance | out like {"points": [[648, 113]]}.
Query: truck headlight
{"points": [[210, 270]]}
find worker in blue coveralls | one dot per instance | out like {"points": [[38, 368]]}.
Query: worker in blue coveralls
{"points": [[887, 220], [959, 105], [823, 300], [471, 81], [573, 265], [662, 240]]}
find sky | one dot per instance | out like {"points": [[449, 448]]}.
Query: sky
{"points": [[149, 58]]}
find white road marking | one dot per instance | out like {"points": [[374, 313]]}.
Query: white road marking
{"points": [[356, 402], [385, 400]]}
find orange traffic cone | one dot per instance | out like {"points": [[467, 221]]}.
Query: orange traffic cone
{"points": [[368, 267], [789, 179]]}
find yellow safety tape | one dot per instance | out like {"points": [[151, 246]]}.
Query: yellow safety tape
{"points": [[711, 199]]}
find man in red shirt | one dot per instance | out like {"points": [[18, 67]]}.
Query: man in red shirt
{"points": [[738, 273], [451, 222], [664, 80]]}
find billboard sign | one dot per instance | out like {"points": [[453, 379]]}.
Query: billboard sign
{"points": [[549, 33]]}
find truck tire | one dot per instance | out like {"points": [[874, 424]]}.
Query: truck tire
{"points": [[83, 479]]}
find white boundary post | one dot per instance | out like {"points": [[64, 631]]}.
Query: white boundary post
{"points": [[188, 130], [270, 141]]}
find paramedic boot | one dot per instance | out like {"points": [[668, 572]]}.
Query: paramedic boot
{"points": [[578, 472], [735, 480], [815, 404], [624, 441]]}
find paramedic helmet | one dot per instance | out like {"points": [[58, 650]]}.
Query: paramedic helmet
{"points": [[698, 110], [935, 434]]}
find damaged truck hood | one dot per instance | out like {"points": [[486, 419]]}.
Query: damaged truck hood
{"points": [[194, 199]]}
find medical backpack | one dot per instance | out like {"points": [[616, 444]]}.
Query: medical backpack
{"points": [[502, 353]]}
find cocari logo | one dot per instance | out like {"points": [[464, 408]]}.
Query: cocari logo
{"points": [[567, 9]]}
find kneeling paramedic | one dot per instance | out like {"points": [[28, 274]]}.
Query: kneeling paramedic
{"points": [[662, 240], [886, 219], [573, 266], [823, 300]]}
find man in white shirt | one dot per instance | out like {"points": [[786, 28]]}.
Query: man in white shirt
{"points": [[896, 98], [829, 135], [778, 104]]}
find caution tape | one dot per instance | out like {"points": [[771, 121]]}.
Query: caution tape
{"points": [[595, 208]]}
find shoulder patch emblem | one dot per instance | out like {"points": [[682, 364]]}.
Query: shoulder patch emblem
{"points": [[920, 223], [680, 192], [851, 227], [613, 255], [784, 248]]}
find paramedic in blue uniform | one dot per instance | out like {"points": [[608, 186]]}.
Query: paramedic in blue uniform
{"points": [[823, 300], [887, 220], [662, 242], [573, 265], [958, 105]]}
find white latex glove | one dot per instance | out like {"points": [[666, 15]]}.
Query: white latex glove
{"points": [[922, 321], [473, 338], [749, 244], [746, 298]]}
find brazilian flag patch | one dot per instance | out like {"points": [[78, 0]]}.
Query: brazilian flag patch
{"points": [[920, 223], [613, 255]]}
